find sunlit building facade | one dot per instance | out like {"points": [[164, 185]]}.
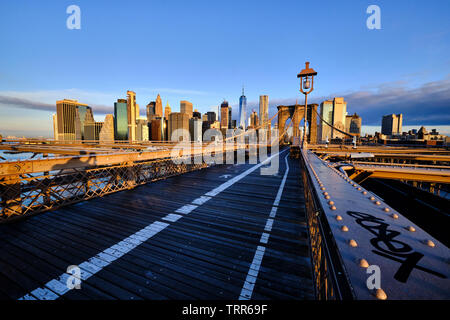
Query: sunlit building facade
{"points": [[224, 115], [132, 116], [178, 120], [186, 107], [120, 120], [392, 124], [264, 111], [70, 116], [353, 124]]}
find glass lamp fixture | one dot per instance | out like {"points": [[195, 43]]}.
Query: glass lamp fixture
{"points": [[306, 83]]}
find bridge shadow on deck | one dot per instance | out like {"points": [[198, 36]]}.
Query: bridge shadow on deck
{"points": [[206, 254]]}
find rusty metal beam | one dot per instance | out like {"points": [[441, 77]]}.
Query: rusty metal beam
{"points": [[92, 160]]}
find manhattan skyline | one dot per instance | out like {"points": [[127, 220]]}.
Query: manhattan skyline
{"points": [[402, 68]]}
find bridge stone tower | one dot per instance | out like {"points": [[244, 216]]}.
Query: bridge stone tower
{"points": [[288, 112]]}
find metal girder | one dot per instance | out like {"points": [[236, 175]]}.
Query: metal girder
{"points": [[91, 160], [413, 265], [360, 176], [413, 173], [398, 156], [378, 149]]}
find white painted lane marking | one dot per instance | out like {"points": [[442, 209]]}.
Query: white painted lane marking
{"points": [[27, 297], [107, 256], [172, 217], [249, 284], [98, 262], [252, 275], [186, 209], [273, 212], [264, 238], [201, 200], [269, 224]]}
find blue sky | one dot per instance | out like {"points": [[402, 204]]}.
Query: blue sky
{"points": [[204, 51]]}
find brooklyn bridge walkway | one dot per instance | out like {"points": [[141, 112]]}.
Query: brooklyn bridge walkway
{"points": [[225, 232]]}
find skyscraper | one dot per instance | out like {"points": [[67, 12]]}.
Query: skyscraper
{"points": [[195, 129], [186, 107], [264, 111], [326, 112], [55, 126], [120, 120], [158, 107], [71, 116], [216, 110], [392, 124], [178, 120], [339, 113], [242, 107], [107, 131], [254, 121], [333, 112], [224, 115], [211, 116], [142, 130], [167, 111], [196, 114], [353, 124], [155, 130], [132, 116], [151, 111], [92, 130]]}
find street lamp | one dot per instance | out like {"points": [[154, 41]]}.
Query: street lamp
{"points": [[306, 86]]}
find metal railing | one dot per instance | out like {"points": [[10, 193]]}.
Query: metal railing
{"points": [[26, 194], [329, 278]]}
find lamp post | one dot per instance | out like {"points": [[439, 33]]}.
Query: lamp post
{"points": [[306, 87]]}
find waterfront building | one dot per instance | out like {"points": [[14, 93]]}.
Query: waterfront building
{"points": [[334, 113], [264, 111], [120, 120], [107, 130], [224, 115], [211, 116], [353, 124], [391, 124], [196, 114], [326, 113], [178, 120], [142, 130], [151, 110], [167, 111], [158, 107], [71, 114], [132, 115], [92, 130], [195, 129], [254, 121], [55, 126], [186, 107]]}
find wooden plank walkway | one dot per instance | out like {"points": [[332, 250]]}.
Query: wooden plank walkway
{"points": [[206, 254]]}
